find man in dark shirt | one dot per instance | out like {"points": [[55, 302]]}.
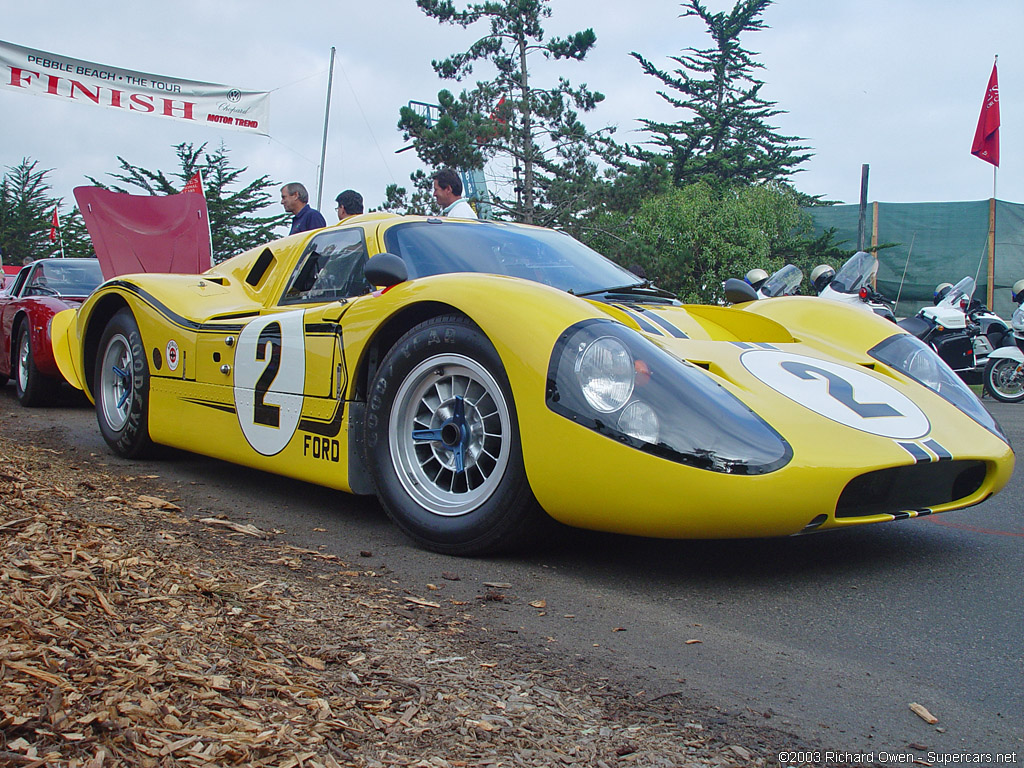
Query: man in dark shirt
{"points": [[350, 203], [295, 200]]}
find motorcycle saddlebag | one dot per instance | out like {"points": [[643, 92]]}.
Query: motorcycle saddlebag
{"points": [[957, 350]]}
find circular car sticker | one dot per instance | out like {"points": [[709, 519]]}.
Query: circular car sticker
{"points": [[840, 393], [270, 370], [171, 354]]}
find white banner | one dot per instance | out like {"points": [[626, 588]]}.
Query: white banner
{"points": [[50, 75]]}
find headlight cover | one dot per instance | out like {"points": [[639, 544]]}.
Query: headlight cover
{"points": [[911, 356], [608, 378]]}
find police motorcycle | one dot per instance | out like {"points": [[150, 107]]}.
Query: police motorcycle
{"points": [[946, 329], [852, 284], [758, 284], [993, 332], [783, 282], [1004, 370]]}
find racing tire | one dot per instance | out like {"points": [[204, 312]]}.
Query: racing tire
{"points": [[1004, 381], [121, 387], [32, 387], [442, 443]]}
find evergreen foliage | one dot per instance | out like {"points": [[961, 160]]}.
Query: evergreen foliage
{"points": [[234, 223], [26, 210], [726, 137], [534, 128], [689, 240]]}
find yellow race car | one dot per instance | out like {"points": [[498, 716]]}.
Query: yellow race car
{"points": [[480, 377]]}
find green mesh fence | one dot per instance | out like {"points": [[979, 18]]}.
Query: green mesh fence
{"points": [[935, 243]]}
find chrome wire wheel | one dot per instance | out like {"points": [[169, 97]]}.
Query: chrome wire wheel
{"points": [[24, 360], [450, 435], [115, 391]]}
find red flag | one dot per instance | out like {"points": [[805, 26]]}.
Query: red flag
{"points": [[54, 226], [986, 137], [195, 184]]}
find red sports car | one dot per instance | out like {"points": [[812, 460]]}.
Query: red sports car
{"points": [[41, 290], [7, 275]]}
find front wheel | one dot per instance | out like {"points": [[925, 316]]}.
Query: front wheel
{"points": [[31, 386], [121, 387], [1004, 379], [443, 442]]}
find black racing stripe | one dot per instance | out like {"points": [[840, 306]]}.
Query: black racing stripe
{"points": [[673, 331], [325, 429], [900, 515], [644, 325], [938, 450], [236, 316], [174, 317], [210, 404], [923, 512], [920, 454]]}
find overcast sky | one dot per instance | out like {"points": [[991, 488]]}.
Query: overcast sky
{"points": [[895, 84]]}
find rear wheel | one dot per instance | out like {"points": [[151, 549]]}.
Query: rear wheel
{"points": [[443, 442], [121, 387], [1004, 379], [32, 387]]}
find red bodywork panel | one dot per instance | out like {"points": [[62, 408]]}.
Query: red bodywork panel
{"points": [[147, 233]]}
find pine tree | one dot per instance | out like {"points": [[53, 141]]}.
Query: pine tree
{"points": [[727, 138], [26, 208], [420, 203], [535, 129], [234, 223]]}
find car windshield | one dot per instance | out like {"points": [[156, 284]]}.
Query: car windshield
{"points": [[65, 277], [542, 255], [855, 273]]}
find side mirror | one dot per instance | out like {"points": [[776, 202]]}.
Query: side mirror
{"points": [[738, 291], [385, 269]]}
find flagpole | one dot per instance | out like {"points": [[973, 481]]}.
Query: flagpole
{"points": [[992, 223], [323, 149]]}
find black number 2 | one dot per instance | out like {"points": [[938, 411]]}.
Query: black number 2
{"points": [[262, 413], [840, 389]]}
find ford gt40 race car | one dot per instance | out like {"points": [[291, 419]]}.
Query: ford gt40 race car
{"points": [[480, 378]]}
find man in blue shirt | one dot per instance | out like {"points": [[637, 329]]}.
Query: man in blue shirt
{"points": [[295, 200]]}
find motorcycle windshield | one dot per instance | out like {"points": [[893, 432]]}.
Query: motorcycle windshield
{"points": [[1017, 320], [784, 282], [857, 272], [965, 288]]}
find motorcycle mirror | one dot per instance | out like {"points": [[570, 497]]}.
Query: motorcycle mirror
{"points": [[738, 291]]}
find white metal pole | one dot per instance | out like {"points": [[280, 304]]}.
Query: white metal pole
{"points": [[323, 149]]}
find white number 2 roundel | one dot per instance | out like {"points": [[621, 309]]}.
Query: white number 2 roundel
{"points": [[270, 371], [840, 393]]}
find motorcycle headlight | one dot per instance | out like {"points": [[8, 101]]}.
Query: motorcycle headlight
{"points": [[609, 378], [909, 355]]}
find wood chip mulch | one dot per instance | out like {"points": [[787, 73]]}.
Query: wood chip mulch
{"points": [[133, 633]]}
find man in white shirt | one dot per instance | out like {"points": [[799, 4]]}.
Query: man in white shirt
{"points": [[448, 193]]}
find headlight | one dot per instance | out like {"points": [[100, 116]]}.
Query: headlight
{"points": [[638, 420], [909, 355], [605, 372], [609, 378]]}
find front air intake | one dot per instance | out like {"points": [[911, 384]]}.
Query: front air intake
{"points": [[918, 486]]}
